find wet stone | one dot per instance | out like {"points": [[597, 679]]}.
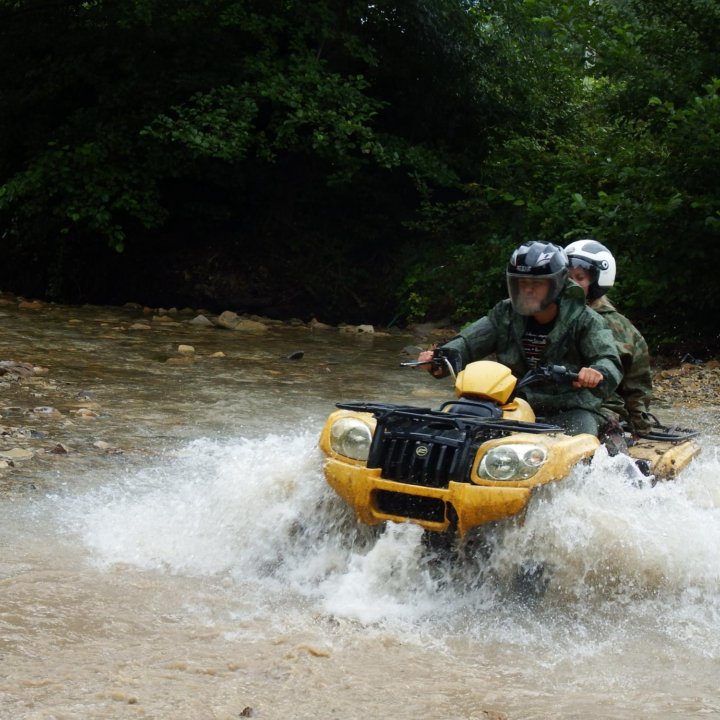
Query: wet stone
{"points": [[13, 411], [46, 411], [85, 413], [17, 454]]}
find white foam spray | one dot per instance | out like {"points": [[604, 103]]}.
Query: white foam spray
{"points": [[258, 511]]}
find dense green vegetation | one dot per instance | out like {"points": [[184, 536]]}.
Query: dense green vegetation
{"points": [[355, 161]]}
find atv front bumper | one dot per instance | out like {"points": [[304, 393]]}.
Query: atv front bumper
{"points": [[459, 505]]}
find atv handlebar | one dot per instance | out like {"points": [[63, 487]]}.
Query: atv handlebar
{"points": [[555, 373], [442, 359]]}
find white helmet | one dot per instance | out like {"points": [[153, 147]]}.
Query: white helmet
{"points": [[598, 260]]}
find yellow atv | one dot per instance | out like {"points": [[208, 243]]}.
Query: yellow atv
{"points": [[475, 460]]}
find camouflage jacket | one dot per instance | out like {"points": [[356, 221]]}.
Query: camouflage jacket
{"points": [[579, 338], [631, 401]]}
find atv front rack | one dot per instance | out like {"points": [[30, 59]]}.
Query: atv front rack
{"points": [[420, 446], [456, 419]]}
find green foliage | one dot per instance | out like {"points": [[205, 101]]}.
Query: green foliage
{"points": [[625, 154], [141, 108], [84, 189], [363, 160], [459, 284]]}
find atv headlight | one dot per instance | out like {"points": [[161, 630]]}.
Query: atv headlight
{"points": [[512, 462], [351, 437]]}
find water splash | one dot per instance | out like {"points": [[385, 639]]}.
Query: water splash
{"points": [[605, 536], [258, 511]]}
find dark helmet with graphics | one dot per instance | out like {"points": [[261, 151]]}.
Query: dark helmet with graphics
{"points": [[537, 260], [597, 260]]}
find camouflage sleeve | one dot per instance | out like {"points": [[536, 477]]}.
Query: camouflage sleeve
{"points": [[636, 387], [600, 352], [476, 341]]}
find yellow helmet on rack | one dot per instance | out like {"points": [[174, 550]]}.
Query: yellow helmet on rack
{"points": [[486, 379]]}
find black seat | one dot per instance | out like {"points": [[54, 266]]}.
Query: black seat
{"points": [[476, 408]]}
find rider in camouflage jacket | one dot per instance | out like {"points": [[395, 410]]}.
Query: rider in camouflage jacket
{"points": [[631, 401], [592, 266]]}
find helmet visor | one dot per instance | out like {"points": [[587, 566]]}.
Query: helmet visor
{"points": [[531, 294], [579, 262]]}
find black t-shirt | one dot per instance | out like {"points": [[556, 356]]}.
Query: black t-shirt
{"points": [[534, 340]]}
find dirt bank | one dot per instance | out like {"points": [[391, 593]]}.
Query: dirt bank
{"points": [[689, 384]]}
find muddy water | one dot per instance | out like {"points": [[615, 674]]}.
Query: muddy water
{"points": [[170, 549]]}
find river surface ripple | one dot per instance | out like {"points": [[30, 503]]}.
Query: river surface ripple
{"points": [[169, 549]]}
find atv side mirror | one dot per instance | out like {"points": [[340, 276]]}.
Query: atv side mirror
{"points": [[450, 359]]}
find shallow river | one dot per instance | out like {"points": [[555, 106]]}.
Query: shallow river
{"points": [[171, 550]]}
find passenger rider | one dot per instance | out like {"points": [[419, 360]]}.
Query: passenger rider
{"points": [[592, 266]]}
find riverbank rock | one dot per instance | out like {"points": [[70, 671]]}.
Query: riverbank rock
{"points": [[201, 321], [17, 369], [315, 324], [16, 454], [357, 329], [166, 320], [232, 321]]}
